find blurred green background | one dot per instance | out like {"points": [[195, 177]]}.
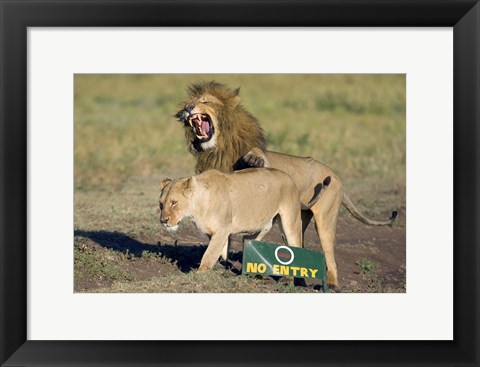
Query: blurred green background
{"points": [[125, 129]]}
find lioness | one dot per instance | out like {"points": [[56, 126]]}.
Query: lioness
{"points": [[245, 202], [222, 135]]}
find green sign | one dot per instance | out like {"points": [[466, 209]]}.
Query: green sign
{"points": [[278, 260]]}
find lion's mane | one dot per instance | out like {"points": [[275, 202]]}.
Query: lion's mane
{"points": [[237, 131]]}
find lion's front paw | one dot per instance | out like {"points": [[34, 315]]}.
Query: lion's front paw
{"points": [[254, 160]]}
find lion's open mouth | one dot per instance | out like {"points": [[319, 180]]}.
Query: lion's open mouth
{"points": [[202, 124]]}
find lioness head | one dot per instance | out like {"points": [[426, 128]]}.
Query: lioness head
{"points": [[204, 110], [175, 201]]}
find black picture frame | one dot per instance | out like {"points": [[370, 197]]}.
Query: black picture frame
{"points": [[17, 15]]}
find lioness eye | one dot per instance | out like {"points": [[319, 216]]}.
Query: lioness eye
{"points": [[174, 203], [161, 206]]}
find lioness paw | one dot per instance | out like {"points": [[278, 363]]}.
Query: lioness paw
{"points": [[202, 269]]}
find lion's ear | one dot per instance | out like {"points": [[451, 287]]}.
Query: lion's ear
{"points": [[164, 182], [188, 187], [236, 97]]}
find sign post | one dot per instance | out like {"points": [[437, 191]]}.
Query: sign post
{"points": [[271, 259]]}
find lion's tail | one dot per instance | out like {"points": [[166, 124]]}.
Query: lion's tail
{"points": [[319, 189], [348, 204]]}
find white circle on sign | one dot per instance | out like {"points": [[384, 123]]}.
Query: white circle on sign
{"points": [[278, 258]]}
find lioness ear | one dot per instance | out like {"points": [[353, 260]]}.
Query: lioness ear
{"points": [[188, 187], [236, 97], [164, 182]]}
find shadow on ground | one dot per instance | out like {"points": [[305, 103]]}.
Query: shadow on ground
{"points": [[185, 257]]}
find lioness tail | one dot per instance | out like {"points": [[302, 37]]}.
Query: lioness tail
{"points": [[348, 204]]}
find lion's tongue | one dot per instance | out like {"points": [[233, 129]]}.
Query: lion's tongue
{"points": [[205, 127]]}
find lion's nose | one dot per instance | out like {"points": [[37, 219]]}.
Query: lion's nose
{"points": [[164, 221], [189, 108]]}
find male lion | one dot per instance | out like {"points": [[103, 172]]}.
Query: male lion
{"points": [[245, 202], [223, 135]]}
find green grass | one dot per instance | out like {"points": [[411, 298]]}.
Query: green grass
{"points": [[98, 265], [366, 266], [214, 281]]}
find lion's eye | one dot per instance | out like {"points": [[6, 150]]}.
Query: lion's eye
{"points": [[173, 203], [205, 102], [161, 206]]}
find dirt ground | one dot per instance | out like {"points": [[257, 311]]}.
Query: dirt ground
{"points": [[150, 259]]}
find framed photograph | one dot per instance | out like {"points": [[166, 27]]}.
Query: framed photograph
{"points": [[113, 114]]}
